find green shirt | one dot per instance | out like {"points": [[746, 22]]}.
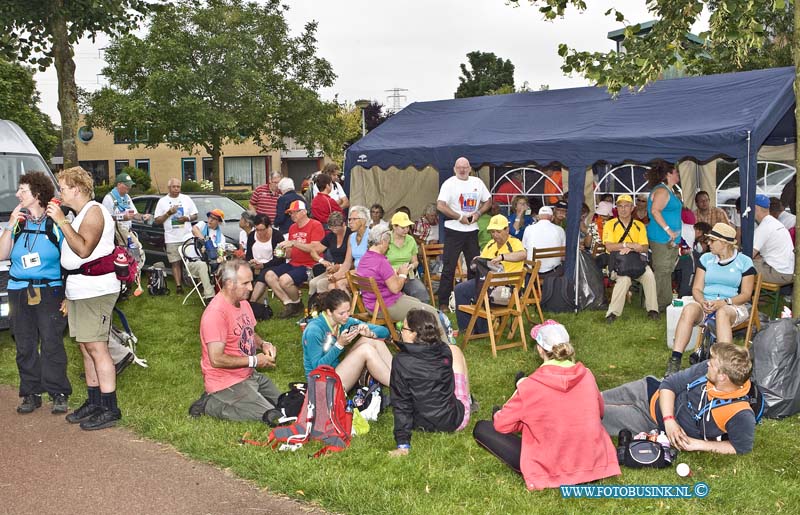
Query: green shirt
{"points": [[484, 236], [401, 255]]}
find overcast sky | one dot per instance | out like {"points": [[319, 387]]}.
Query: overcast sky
{"points": [[418, 45]]}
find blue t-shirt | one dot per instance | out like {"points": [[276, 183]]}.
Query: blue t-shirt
{"points": [[527, 220], [319, 342], [672, 217], [723, 280], [33, 239], [357, 250]]}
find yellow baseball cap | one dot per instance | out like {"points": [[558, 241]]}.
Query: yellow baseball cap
{"points": [[401, 219], [625, 198], [497, 223]]}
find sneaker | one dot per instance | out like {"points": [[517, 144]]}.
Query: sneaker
{"points": [[29, 403], [198, 407], [673, 365], [653, 315], [85, 412], [102, 419], [60, 405], [610, 319]]}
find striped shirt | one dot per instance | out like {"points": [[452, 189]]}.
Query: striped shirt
{"points": [[264, 201]]}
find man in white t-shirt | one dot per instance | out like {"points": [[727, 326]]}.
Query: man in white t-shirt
{"points": [[542, 235], [119, 203], [210, 232], [462, 200], [176, 212], [773, 252]]}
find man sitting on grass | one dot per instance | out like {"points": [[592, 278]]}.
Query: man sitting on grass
{"points": [[702, 408], [234, 390]]}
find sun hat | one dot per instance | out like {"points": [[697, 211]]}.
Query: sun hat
{"points": [[497, 223], [549, 334], [604, 208], [297, 205], [723, 232], [401, 219]]}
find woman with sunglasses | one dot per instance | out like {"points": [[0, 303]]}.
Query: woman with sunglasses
{"points": [[357, 245], [335, 243], [335, 338], [664, 229], [430, 383]]}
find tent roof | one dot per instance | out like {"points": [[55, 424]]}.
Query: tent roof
{"points": [[698, 117]]}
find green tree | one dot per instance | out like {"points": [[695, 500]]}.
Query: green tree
{"points": [[742, 35], [226, 71], [42, 32], [19, 103], [486, 73]]}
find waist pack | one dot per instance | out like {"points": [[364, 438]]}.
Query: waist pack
{"points": [[120, 262], [644, 453]]}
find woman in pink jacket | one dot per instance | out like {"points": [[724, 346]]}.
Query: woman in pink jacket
{"points": [[558, 410]]}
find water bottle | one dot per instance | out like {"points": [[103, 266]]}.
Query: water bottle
{"points": [[121, 266], [131, 244], [349, 408]]}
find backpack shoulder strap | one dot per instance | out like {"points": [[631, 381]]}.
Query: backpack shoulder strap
{"points": [[49, 231], [723, 414]]}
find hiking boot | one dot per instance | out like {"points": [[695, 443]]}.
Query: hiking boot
{"points": [[83, 413], [60, 405], [29, 403], [673, 366], [653, 315], [610, 319], [272, 417], [179, 289], [198, 407], [291, 310], [102, 419]]}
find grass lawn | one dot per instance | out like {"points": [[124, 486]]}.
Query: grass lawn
{"points": [[445, 473]]}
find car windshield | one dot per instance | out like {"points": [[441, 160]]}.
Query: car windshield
{"points": [[232, 210], [11, 167]]}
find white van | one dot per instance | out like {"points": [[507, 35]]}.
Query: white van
{"points": [[18, 155]]}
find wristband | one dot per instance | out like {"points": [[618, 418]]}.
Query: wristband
{"points": [[404, 276], [252, 361], [404, 446], [338, 346], [502, 257], [668, 417], [320, 260]]}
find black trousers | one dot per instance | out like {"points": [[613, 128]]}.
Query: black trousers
{"points": [[455, 242], [39, 335], [506, 447]]}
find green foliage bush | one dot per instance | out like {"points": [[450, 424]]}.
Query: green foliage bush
{"points": [[140, 177], [190, 187]]}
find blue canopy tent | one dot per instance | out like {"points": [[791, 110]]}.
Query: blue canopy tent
{"points": [[729, 115]]}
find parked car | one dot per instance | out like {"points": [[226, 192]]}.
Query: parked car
{"points": [[152, 236], [770, 182], [18, 155]]}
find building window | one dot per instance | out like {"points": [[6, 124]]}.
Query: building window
{"points": [[85, 134], [189, 167], [98, 169], [123, 135], [240, 171], [119, 165], [144, 165], [208, 169]]}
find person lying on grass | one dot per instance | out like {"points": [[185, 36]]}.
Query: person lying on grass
{"points": [[325, 339], [696, 407], [430, 384], [558, 410]]}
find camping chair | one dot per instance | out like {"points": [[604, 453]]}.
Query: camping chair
{"points": [[775, 293], [192, 244], [380, 314], [431, 252], [532, 295], [497, 317], [750, 322]]}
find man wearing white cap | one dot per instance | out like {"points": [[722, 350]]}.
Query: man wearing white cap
{"points": [[542, 235], [305, 234], [624, 236]]}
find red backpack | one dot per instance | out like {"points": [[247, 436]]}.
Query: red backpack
{"points": [[323, 417]]}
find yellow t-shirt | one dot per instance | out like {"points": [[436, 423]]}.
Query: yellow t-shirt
{"points": [[613, 231], [491, 251]]}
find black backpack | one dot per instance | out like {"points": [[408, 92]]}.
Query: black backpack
{"points": [[48, 231], [157, 283]]}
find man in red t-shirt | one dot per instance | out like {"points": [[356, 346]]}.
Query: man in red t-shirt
{"points": [[305, 234], [234, 390]]}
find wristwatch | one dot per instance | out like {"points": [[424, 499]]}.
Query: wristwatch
{"points": [[729, 301]]}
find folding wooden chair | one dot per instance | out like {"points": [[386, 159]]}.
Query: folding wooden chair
{"points": [[750, 322], [497, 317], [532, 294], [430, 252], [380, 314]]}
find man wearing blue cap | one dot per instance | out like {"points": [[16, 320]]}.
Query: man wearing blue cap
{"points": [[773, 252]]}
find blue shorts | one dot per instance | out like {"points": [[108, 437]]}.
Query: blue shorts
{"points": [[299, 274]]}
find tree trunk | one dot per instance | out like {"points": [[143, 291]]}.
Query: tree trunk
{"points": [[796, 55], [216, 152], [67, 90]]}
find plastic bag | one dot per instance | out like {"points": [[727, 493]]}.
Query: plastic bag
{"points": [[776, 366]]}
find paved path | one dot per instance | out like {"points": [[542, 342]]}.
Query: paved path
{"points": [[50, 466]]}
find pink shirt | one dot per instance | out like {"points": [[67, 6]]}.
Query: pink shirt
{"points": [[376, 265], [224, 322]]}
